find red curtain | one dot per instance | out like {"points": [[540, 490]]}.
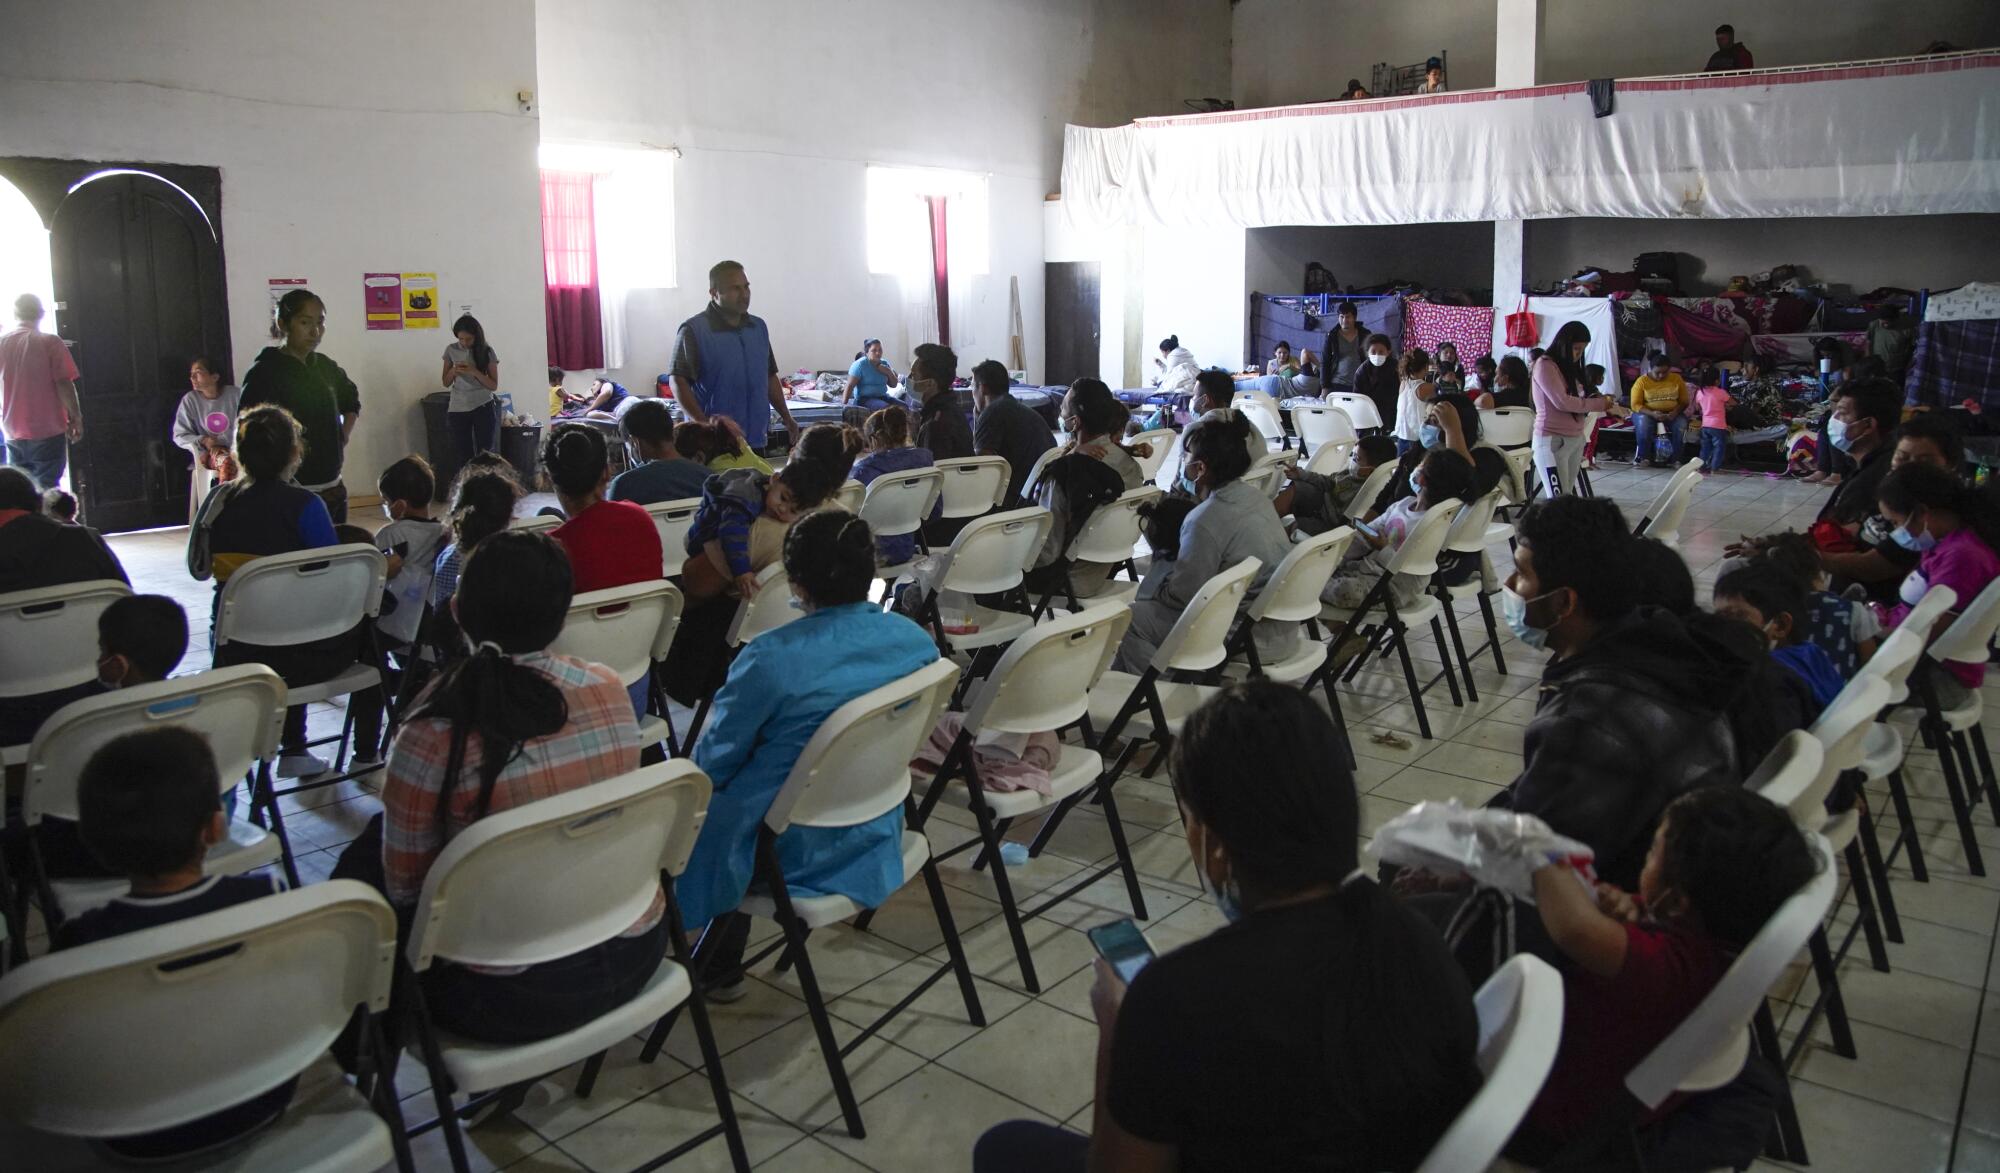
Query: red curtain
{"points": [[940, 270], [569, 271]]}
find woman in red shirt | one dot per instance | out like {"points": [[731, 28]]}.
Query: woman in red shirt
{"points": [[610, 543]]}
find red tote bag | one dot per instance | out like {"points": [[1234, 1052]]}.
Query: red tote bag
{"points": [[1521, 328]]}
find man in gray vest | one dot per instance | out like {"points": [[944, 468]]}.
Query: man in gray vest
{"points": [[723, 365]]}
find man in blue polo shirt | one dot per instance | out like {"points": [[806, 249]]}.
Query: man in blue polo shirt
{"points": [[723, 365]]}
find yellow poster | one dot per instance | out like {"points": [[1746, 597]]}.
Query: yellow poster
{"points": [[420, 301]]}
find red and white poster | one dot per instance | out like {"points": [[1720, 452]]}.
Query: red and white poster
{"points": [[382, 300]]}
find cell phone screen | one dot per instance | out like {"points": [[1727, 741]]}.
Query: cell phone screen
{"points": [[1365, 528], [1125, 946]]}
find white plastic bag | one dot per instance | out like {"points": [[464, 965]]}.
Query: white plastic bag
{"points": [[1498, 849]]}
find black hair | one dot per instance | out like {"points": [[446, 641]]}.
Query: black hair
{"points": [[555, 375], [889, 427], [1535, 352], [1215, 386], [705, 440], [810, 481], [1938, 428], [482, 504], [1379, 448], [1726, 28], [482, 354], [18, 490], [1281, 344], [293, 302], [144, 799], [1661, 577], [991, 376], [514, 592], [1593, 374], [1795, 554], [1736, 856], [268, 442], [1771, 589], [1447, 475], [650, 420], [830, 555], [1875, 399], [1924, 486], [1485, 363], [1468, 414], [209, 364], [1415, 363], [1559, 350], [409, 479], [940, 364], [576, 458], [833, 445], [716, 271], [1221, 444], [1374, 340], [59, 504], [1161, 520], [1582, 543], [1096, 407], [1346, 307], [1169, 343], [149, 630]]}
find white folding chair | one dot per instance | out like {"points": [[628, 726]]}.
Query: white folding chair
{"points": [[1161, 441], [896, 505], [1263, 413], [126, 1036], [1466, 541], [1291, 595], [238, 711], [48, 641], [1322, 423], [1042, 683], [988, 557], [1956, 731], [974, 485], [1507, 427], [1372, 488], [627, 629], [770, 608], [1331, 457], [1895, 658], [674, 519], [1417, 557], [1042, 462], [1520, 1012], [1268, 473], [1359, 408], [299, 598], [536, 523], [856, 769], [546, 880], [850, 495], [1662, 519], [1108, 536]]}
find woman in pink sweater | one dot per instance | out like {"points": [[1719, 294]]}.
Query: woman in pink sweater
{"points": [[1560, 412]]}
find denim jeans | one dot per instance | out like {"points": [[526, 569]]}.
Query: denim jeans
{"points": [[1714, 448], [43, 460], [1644, 431], [544, 1000], [475, 431]]}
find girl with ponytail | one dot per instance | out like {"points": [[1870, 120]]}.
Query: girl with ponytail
{"points": [[505, 725], [1325, 1026], [1955, 531]]}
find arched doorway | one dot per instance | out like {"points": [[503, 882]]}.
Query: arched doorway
{"points": [[24, 248], [137, 264]]}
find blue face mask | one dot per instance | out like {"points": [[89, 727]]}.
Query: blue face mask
{"points": [[1514, 612], [1416, 486], [1431, 436], [1836, 434], [1920, 543]]}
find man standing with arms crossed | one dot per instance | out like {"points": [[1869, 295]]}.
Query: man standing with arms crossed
{"points": [[38, 408], [723, 365]]}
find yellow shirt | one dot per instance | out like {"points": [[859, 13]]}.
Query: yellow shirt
{"points": [[1668, 394], [743, 459], [555, 400]]}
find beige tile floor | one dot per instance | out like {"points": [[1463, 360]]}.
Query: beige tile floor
{"points": [[1924, 1094]]}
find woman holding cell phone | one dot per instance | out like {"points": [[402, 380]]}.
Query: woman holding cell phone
{"points": [[471, 374], [1324, 1026]]}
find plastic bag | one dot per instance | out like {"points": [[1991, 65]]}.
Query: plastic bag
{"points": [[1522, 331], [1498, 849]]}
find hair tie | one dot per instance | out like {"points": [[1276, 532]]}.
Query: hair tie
{"points": [[488, 645]]}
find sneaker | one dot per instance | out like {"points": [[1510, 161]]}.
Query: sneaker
{"points": [[723, 993], [300, 765], [364, 763]]}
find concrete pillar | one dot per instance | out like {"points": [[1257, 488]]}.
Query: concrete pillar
{"points": [[1516, 62]]}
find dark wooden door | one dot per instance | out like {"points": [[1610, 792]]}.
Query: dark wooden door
{"points": [[1072, 319], [138, 277]]}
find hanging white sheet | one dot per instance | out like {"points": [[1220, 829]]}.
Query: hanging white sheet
{"points": [[1551, 313], [1905, 137]]}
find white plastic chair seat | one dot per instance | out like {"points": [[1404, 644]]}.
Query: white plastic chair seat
{"points": [[1839, 830], [1290, 670], [540, 521], [327, 1128], [652, 730], [1965, 714], [1177, 701], [1116, 591], [247, 848], [1881, 751], [353, 678], [1423, 610], [995, 627], [1077, 768], [1499, 531], [899, 571], [1721, 1067], [819, 911], [477, 1067]]}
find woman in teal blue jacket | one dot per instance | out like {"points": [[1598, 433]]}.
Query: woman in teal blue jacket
{"points": [[781, 688]]}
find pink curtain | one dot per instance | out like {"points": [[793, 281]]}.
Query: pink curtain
{"points": [[940, 270], [569, 271]]}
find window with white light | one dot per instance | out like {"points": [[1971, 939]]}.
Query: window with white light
{"points": [[899, 220], [634, 201]]}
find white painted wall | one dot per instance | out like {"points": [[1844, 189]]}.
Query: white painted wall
{"points": [[1194, 287], [369, 135], [1285, 51], [774, 161], [1912, 252], [1447, 256]]}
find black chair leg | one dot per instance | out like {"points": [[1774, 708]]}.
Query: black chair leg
{"points": [[1492, 632], [1878, 877], [1011, 911], [1789, 1142], [1906, 833], [1416, 690], [954, 948], [1829, 988], [1458, 648], [1123, 849], [1960, 807], [1864, 908], [1978, 735]]}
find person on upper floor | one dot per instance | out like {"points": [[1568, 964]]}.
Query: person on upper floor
{"points": [[870, 379], [941, 425], [1354, 90], [1564, 400], [1377, 378], [723, 364], [1174, 370], [471, 373], [1433, 82], [39, 413], [1729, 52], [1346, 348], [610, 543], [205, 425], [1660, 404], [1955, 531], [658, 471], [1007, 428], [1233, 521], [1326, 1022], [314, 390]]}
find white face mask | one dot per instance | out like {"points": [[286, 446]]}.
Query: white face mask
{"points": [[1376, 360]]}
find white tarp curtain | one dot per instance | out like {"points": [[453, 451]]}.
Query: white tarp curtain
{"points": [[1550, 315], [1892, 138], [1974, 301]]}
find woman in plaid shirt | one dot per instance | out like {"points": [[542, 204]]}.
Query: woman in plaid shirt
{"points": [[507, 725]]}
